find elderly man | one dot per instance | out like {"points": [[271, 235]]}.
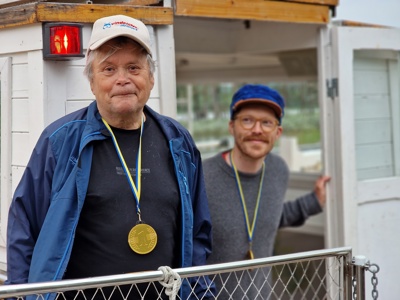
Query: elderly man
{"points": [[114, 187]]}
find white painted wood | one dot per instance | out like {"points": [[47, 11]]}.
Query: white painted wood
{"points": [[375, 131], [155, 93], [327, 69], [364, 101], [394, 82], [19, 58], [17, 172], [36, 85], [373, 124], [378, 190], [72, 106], [372, 105], [6, 83], [166, 78], [19, 115], [20, 79], [154, 103], [21, 151], [380, 245], [77, 85], [55, 94], [21, 39]]}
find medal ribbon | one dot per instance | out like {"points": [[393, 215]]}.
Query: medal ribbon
{"points": [[250, 229], [135, 187]]}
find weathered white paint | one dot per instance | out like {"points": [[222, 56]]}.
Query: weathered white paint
{"points": [[36, 85], [21, 39], [365, 221], [373, 122], [165, 82], [5, 81]]}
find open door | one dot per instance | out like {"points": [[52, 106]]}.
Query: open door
{"points": [[360, 119]]}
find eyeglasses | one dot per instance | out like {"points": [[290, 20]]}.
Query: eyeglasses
{"points": [[248, 122]]}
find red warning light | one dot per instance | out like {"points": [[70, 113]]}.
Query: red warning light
{"points": [[62, 41]]}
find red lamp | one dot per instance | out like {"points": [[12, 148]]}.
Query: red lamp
{"points": [[62, 41]]}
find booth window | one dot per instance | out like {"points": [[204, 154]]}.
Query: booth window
{"points": [[204, 110]]}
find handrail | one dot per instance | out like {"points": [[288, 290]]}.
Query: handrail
{"points": [[17, 290]]}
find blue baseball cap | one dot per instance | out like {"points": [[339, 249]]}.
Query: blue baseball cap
{"points": [[260, 94]]}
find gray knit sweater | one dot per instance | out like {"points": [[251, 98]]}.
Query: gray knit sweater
{"points": [[230, 239]]}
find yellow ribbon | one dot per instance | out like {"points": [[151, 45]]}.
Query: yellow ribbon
{"points": [[250, 229], [136, 189]]}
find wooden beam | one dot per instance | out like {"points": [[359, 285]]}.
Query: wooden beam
{"points": [[359, 24], [254, 10], [80, 13], [18, 15], [8, 3], [88, 13], [142, 2], [321, 2]]}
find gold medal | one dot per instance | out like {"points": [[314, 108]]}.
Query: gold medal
{"points": [[142, 238]]}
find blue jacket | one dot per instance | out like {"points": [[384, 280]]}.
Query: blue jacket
{"points": [[48, 200]]}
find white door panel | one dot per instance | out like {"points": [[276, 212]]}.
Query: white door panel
{"points": [[361, 138]]}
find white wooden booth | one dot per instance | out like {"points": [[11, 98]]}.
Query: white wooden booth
{"points": [[357, 68]]}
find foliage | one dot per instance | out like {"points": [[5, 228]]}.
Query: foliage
{"points": [[210, 110]]}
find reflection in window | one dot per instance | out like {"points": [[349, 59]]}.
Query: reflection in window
{"points": [[204, 110]]}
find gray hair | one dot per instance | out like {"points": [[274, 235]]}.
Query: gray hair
{"points": [[92, 55]]}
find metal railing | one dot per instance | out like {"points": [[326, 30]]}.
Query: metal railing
{"points": [[320, 274]]}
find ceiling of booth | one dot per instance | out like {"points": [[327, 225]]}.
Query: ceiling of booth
{"points": [[216, 50]]}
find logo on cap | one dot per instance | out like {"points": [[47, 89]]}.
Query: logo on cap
{"points": [[121, 24]]}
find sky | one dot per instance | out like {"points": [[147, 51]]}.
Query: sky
{"points": [[380, 12]]}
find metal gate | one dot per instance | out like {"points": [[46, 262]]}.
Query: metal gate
{"points": [[321, 274]]}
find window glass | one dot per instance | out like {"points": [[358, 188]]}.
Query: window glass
{"points": [[204, 110]]}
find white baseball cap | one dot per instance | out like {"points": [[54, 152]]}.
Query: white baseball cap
{"points": [[107, 28]]}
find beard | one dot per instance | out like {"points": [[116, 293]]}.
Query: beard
{"points": [[254, 151]]}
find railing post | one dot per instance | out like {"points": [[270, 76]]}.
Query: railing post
{"points": [[348, 273], [359, 276]]}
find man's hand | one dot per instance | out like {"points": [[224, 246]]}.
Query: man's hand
{"points": [[320, 189]]}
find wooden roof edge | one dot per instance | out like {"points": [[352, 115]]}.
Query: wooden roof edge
{"points": [[321, 2], [276, 11], [80, 13], [17, 3], [12, 3], [350, 23], [22, 14]]}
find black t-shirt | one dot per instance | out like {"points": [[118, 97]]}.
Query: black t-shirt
{"points": [[109, 212]]}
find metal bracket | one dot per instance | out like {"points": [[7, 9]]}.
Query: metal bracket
{"points": [[332, 88]]}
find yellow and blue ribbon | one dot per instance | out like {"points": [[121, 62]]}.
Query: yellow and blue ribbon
{"points": [[135, 186], [250, 228]]}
